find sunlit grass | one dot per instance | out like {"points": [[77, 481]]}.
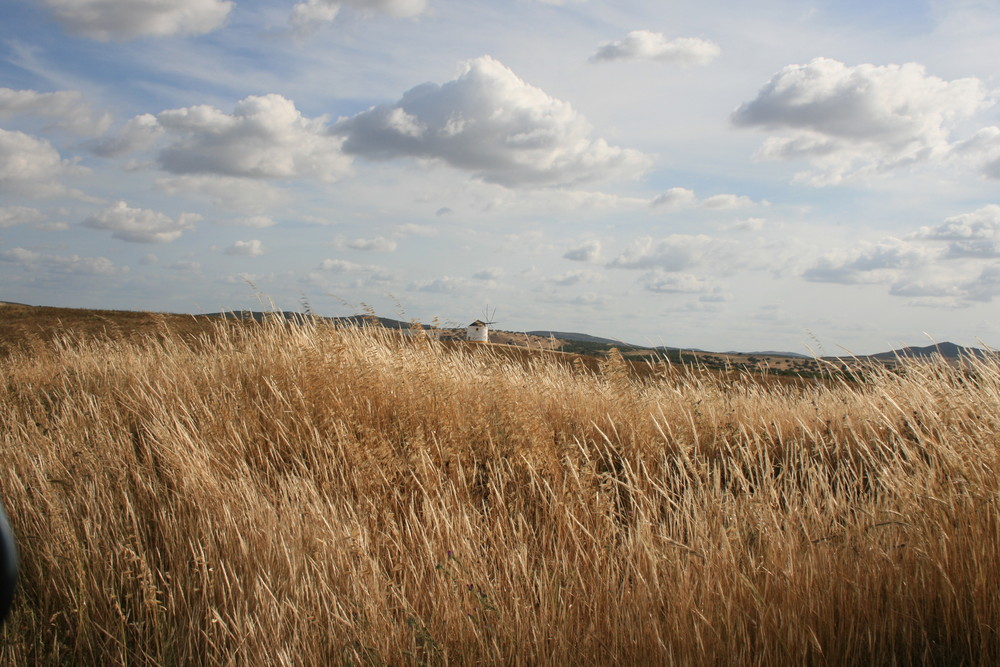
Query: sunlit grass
{"points": [[311, 495]]}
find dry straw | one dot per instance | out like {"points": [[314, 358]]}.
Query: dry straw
{"points": [[310, 495]]}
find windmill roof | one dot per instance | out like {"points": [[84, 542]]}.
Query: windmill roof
{"points": [[478, 323]]}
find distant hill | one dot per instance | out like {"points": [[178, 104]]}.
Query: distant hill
{"points": [[946, 350], [579, 338], [794, 355], [22, 326], [20, 323], [293, 316], [256, 315]]}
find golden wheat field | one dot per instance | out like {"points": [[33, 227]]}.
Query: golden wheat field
{"points": [[308, 495]]}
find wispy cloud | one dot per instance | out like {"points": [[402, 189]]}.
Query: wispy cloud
{"points": [[649, 45], [67, 109], [307, 16], [123, 20], [251, 248], [137, 225]]}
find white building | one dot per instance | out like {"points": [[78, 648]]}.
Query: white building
{"points": [[478, 331]]}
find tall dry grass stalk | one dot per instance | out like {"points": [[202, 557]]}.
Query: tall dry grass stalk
{"points": [[307, 495]]}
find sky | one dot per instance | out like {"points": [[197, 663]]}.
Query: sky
{"points": [[804, 176]]}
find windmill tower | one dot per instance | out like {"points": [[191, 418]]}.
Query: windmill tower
{"points": [[479, 331]]}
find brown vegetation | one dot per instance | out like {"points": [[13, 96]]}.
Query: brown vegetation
{"points": [[311, 495], [24, 327]]}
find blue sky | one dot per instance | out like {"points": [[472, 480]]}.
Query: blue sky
{"points": [[729, 176]]}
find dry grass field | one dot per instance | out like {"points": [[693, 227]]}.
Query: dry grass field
{"points": [[24, 327], [307, 495]]}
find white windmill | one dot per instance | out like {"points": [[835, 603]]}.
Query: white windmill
{"points": [[479, 331]]}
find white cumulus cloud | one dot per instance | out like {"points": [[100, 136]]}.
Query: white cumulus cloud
{"points": [[251, 248], [672, 253], [256, 221], [339, 266], [575, 277], [265, 137], [985, 286], [137, 225], [184, 266], [667, 264], [31, 166], [663, 282], [139, 133], [981, 224], [66, 107], [676, 199], [123, 20], [648, 45], [19, 215], [490, 274], [951, 264], [411, 229], [983, 149], [588, 251], [377, 244], [849, 120], [869, 262], [62, 264], [443, 285], [491, 123], [975, 234], [225, 192]]}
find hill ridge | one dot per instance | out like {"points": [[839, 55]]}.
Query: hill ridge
{"points": [[947, 349]]}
